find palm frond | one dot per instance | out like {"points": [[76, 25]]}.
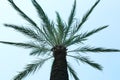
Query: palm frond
{"points": [[94, 49], [87, 34], [85, 59], [47, 25], [24, 45], [69, 41], [49, 32], [43, 17], [72, 14], [72, 72], [40, 51], [85, 17], [74, 40], [52, 41], [70, 21], [26, 31], [41, 13], [24, 15], [60, 28], [82, 37], [30, 68]]}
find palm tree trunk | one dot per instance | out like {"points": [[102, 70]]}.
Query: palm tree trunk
{"points": [[59, 67]]}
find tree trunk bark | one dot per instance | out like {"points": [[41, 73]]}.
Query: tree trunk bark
{"points": [[59, 67]]}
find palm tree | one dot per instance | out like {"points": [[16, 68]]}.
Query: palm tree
{"points": [[52, 40]]}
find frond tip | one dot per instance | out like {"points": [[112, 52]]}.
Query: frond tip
{"points": [[85, 17], [23, 14], [72, 14]]}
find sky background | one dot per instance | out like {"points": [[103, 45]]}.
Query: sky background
{"points": [[13, 59]]}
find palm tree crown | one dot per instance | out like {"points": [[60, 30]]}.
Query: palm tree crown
{"points": [[50, 36]]}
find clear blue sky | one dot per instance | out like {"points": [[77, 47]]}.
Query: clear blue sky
{"points": [[13, 59]]}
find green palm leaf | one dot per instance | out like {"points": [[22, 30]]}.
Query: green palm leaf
{"points": [[41, 14], [31, 68], [87, 34], [40, 51], [69, 41], [24, 45], [82, 37], [46, 22], [88, 61], [70, 21], [74, 40], [61, 28], [37, 50], [85, 17], [51, 40], [94, 49], [72, 14], [24, 15], [26, 31], [72, 72]]}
